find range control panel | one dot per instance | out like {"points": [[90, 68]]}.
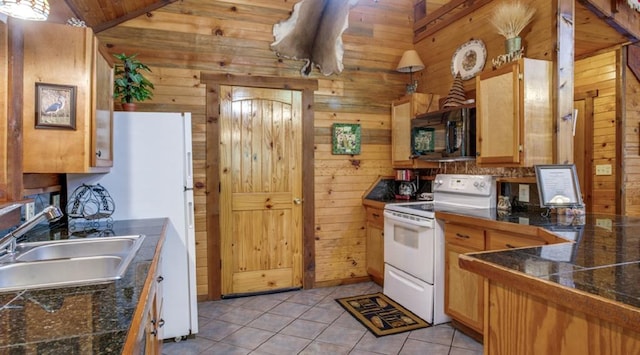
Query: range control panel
{"points": [[481, 185]]}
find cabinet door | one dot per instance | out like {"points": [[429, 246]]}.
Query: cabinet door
{"points": [[497, 116], [401, 134], [375, 252], [102, 138], [464, 295], [402, 111]]}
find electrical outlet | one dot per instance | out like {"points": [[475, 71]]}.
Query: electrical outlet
{"points": [[523, 192], [29, 210], [603, 169]]}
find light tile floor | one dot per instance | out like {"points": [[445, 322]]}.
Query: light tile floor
{"points": [[308, 322]]}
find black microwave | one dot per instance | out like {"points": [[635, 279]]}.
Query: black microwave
{"points": [[445, 135]]}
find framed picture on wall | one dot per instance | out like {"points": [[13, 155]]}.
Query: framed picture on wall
{"points": [[55, 106], [346, 138]]}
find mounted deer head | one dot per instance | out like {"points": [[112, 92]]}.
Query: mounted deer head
{"points": [[313, 33]]}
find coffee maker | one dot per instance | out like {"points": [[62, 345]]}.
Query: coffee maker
{"points": [[406, 188]]}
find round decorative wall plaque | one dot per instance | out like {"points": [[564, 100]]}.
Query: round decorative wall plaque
{"points": [[469, 58]]}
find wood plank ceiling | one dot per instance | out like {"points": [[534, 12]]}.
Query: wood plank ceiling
{"points": [[101, 15], [592, 34]]}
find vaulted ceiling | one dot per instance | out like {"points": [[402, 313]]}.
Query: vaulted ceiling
{"points": [[592, 34]]}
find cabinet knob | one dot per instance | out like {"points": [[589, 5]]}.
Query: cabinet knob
{"points": [[297, 200], [99, 153], [160, 278], [160, 323]]}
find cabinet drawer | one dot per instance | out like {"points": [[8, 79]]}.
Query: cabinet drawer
{"points": [[501, 240], [464, 236], [375, 217]]}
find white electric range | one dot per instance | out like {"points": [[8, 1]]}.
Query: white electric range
{"points": [[414, 241]]}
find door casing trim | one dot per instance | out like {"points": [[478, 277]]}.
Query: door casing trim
{"points": [[307, 87]]}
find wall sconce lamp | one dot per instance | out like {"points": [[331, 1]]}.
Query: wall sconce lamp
{"points": [[410, 63], [35, 10]]}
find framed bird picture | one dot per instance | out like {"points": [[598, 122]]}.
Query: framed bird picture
{"points": [[55, 106]]}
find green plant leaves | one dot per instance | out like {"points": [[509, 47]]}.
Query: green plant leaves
{"points": [[129, 83]]}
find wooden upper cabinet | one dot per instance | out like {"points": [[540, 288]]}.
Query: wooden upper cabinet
{"points": [[514, 116], [75, 62], [402, 111]]}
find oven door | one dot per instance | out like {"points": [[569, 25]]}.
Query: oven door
{"points": [[409, 243]]}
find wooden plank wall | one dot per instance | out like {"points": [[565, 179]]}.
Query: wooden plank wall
{"points": [[3, 109], [437, 50], [631, 145], [599, 73], [233, 36]]}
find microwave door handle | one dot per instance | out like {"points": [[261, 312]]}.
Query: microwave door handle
{"points": [[450, 137]]}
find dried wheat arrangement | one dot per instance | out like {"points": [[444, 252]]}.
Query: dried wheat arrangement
{"points": [[510, 18]]}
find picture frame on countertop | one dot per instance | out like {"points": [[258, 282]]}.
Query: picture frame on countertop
{"points": [[346, 138], [558, 186], [55, 106]]}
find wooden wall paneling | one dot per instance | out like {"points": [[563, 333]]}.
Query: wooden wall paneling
{"points": [[623, 18], [436, 50], [620, 110], [599, 73], [14, 109], [630, 188], [4, 88]]}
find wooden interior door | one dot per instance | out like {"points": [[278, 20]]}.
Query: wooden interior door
{"points": [[260, 189], [583, 145]]}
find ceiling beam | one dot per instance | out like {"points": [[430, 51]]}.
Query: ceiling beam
{"points": [[112, 23]]}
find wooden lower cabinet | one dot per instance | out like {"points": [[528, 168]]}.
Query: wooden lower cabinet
{"points": [[544, 326], [464, 290], [145, 334], [464, 295], [375, 244]]}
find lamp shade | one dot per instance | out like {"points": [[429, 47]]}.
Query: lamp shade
{"points": [[36, 10], [410, 62]]}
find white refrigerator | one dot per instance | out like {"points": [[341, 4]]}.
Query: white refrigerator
{"points": [[152, 177]]}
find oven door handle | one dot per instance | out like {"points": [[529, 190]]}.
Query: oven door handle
{"points": [[421, 222]]}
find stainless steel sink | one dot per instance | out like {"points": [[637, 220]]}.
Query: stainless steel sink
{"points": [[73, 248], [60, 272], [67, 262]]}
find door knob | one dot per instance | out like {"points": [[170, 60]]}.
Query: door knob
{"points": [[297, 200]]}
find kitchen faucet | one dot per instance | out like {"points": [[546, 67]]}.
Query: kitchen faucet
{"points": [[8, 242]]}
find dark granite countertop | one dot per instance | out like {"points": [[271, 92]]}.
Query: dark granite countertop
{"points": [[602, 260], [86, 319]]}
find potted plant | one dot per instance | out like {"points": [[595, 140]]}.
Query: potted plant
{"points": [[129, 83]]}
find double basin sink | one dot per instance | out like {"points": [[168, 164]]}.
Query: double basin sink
{"points": [[67, 262]]}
